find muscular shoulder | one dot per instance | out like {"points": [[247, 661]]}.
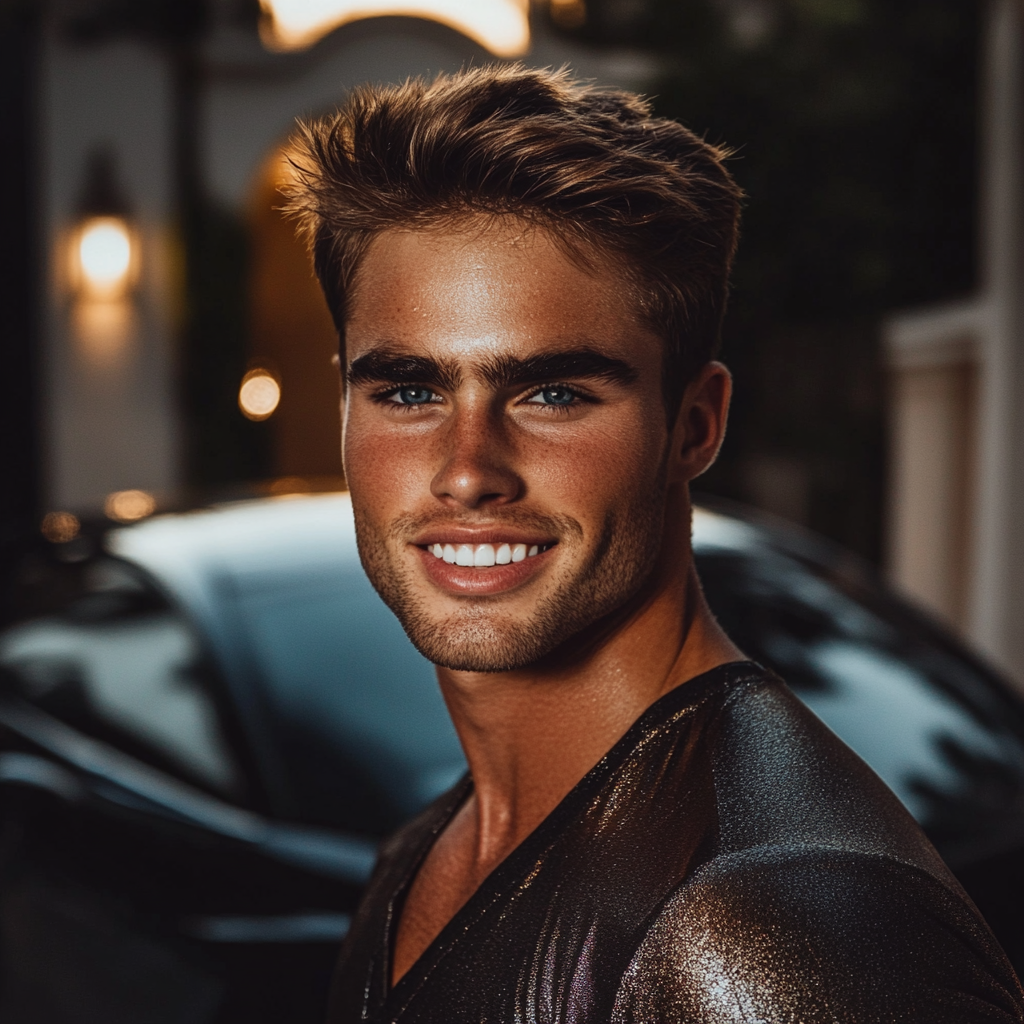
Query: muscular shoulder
{"points": [[805, 934], [783, 778]]}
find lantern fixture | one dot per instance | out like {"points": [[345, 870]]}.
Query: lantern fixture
{"points": [[104, 248]]}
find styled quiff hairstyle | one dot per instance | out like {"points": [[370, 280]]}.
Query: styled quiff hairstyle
{"points": [[615, 185]]}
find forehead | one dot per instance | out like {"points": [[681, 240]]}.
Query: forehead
{"points": [[486, 283]]}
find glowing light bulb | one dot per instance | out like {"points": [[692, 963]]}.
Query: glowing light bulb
{"points": [[259, 394], [105, 255], [60, 527], [128, 506], [502, 26]]}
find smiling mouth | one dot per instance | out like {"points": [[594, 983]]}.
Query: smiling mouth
{"points": [[481, 556]]}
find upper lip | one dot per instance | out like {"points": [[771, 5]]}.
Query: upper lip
{"points": [[478, 535]]}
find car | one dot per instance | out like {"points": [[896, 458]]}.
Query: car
{"points": [[209, 721]]}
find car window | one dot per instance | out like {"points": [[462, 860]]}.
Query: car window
{"points": [[101, 649], [366, 736], [934, 724]]}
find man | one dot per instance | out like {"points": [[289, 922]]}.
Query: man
{"points": [[528, 277]]}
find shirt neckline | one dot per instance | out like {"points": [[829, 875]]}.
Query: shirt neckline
{"points": [[505, 875]]}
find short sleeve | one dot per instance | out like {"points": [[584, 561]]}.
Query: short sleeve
{"points": [[801, 936]]}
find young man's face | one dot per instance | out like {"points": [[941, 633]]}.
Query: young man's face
{"points": [[505, 440]]}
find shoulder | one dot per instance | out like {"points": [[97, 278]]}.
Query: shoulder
{"points": [[814, 934], [782, 777]]}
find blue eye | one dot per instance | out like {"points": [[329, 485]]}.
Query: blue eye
{"points": [[413, 396], [554, 396]]}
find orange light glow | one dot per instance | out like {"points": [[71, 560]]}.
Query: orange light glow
{"points": [[259, 394], [104, 329], [288, 486], [568, 13], [60, 527], [103, 257], [502, 26], [129, 506]]}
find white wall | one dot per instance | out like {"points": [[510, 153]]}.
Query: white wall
{"points": [[110, 421]]}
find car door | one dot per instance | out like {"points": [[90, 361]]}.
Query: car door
{"points": [[141, 875]]}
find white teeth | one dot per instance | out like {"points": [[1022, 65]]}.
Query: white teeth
{"points": [[484, 555]]}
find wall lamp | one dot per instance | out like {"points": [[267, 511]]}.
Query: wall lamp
{"points": [[104, 246]]}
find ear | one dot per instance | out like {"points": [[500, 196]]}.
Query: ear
{"points": [[699, 427]]}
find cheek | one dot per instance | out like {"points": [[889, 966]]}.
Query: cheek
{"points": [[385, 469], [589, 470]]}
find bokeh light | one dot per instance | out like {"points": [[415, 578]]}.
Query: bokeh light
{"points": [[129, 506], [259, 394], [502, 26], [60, 527], [105, 256], [568, 13]]}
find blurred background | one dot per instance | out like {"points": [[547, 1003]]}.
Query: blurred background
{"points": [[208, 721], [162, 334]]}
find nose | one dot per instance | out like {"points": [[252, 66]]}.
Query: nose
{"points": [[478, 462]]}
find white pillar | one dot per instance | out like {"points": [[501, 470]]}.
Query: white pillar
{"points": [[996, 608], [956, 515], [933, 374]]}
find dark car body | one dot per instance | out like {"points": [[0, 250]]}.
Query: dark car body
{"points": [[209, 720]]}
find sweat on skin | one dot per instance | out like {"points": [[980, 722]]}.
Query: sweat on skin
{"points": [[500, 394]]}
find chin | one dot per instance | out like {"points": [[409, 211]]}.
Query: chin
{"points": [[478, 644], [506, 633]]}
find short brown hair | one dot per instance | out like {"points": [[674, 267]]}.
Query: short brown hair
{"points": [[591, 165]]}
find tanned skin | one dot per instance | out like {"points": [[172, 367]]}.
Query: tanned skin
{"points": [[448, 433]]}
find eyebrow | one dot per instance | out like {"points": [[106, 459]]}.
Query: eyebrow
{"points": [[575, 364], [379, 366], [500, 372]]}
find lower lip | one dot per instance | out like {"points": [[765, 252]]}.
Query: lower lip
{"points": [[494, 579]]}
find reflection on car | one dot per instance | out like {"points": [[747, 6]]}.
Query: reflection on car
{"points": [[209, 720]]}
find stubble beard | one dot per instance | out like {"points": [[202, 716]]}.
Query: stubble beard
{"points": [[478, 637]]}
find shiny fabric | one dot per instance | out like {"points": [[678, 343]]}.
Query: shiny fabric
{"points": [[729, 860]]}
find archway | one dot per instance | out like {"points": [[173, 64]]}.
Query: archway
{"points": [[292, 335]]}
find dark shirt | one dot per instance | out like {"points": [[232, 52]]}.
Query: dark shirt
{"points": [[728, 860]]}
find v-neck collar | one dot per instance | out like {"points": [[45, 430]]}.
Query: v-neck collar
{"points": [[517, 864]]}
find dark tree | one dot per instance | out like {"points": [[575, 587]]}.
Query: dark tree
{"points": [[19, 270], [854, 125]]}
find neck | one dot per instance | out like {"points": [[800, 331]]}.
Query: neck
{"points": [[531, 735]]}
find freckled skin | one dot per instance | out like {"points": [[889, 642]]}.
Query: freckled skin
{"points": [[541, 679]]}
